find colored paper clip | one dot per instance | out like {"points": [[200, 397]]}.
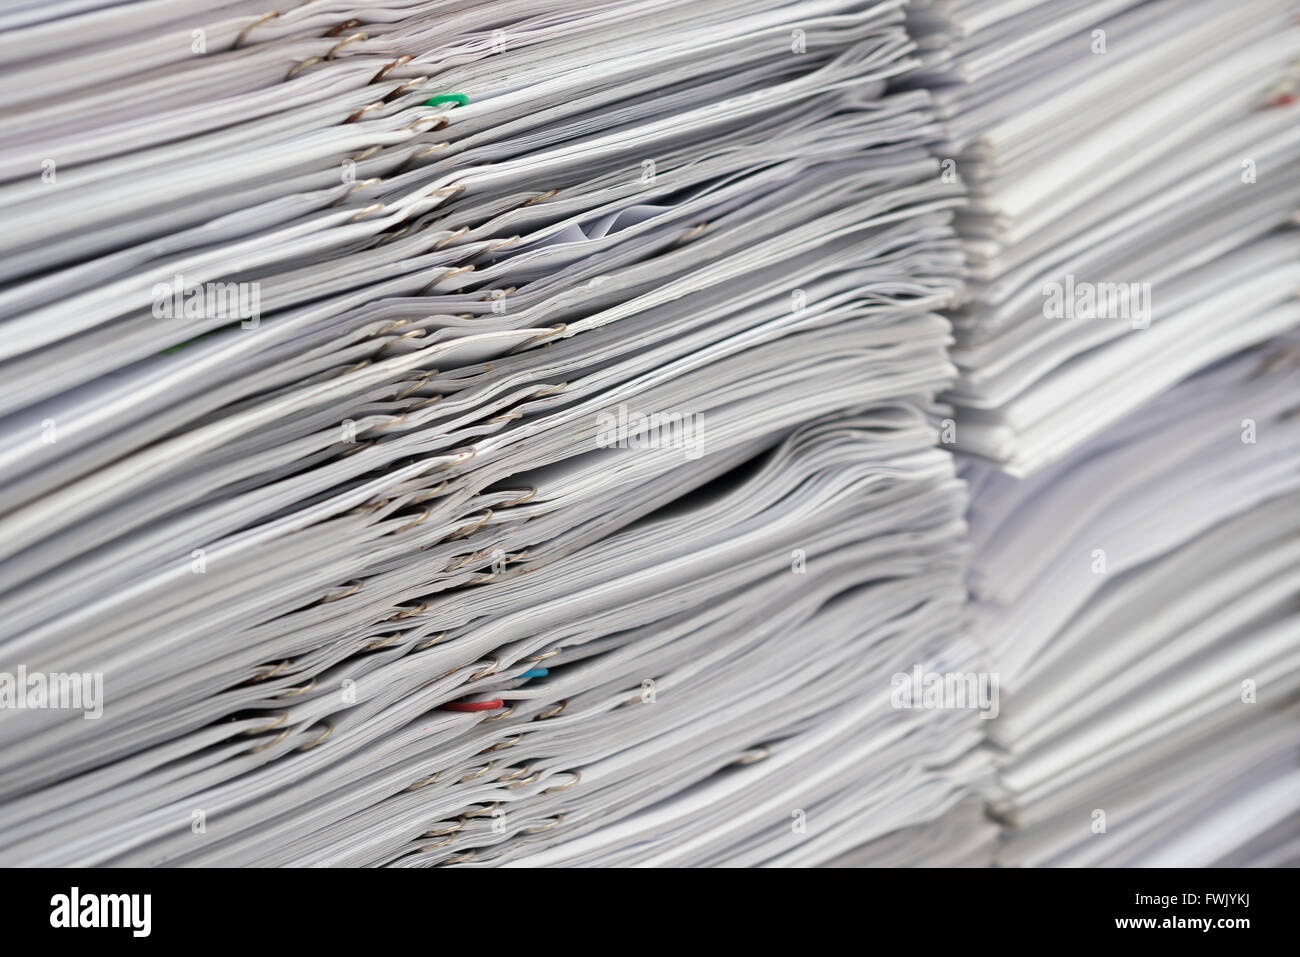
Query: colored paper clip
{"points": [[470, 706], [460, 99], [536, 673]]}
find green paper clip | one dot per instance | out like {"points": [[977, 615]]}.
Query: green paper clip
{"points": [[460, 99]]}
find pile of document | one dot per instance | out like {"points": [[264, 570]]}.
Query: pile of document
{"points": [[474, 433], [1129, 164], [505, 433], [1127, 418], [1139, 598]]}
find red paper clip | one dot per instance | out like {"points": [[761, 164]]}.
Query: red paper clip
{"points": [[488, 705]]}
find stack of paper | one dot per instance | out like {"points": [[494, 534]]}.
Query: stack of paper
{"points": [[1126, 409], [474, 432], [1129, 163], [503, 433], [1139, 596]]}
